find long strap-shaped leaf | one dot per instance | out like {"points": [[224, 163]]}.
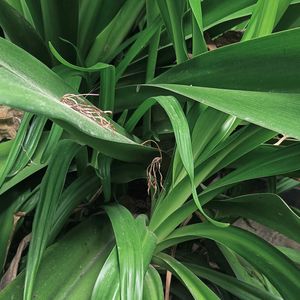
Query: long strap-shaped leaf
{"points": [[264, 18], [153, 288], [76, 258], [51, 189], [238, 288], [32, 86], [30, 144], [129, 251], [199, 44], [196, 287], [113, 34], [16, 148], [182, 136], [107, 285], [256, 107], [241, 62], [281, 161], [267, 209], [281, 271], [172, 13], [20, 32]]}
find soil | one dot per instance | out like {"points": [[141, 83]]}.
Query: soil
{"points": [[9, 122], [269, 235]]}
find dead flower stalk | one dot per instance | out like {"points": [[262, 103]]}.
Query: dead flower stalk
{"points": [[153, 169], [78, 104]]}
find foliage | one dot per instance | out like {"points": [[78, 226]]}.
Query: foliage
{"points": [[121, 94]]}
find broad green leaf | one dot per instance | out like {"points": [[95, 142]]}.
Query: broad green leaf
{"points": [[281, 271], [16, 148], [262, 20], [148, 240], [281, 161], [84, 187], [195, 286], [142, 40], [108, 282], [292, 254], [172, 212], [90, 25], [214, 11], [172, 12], [24, 86], [51, 189], [199, 44], [112, 36], [153, 288], [290, 19], [242, 270], [36, 15], [267, 209], [260, 108], [70, 266], [204, 138], [22, 33], [29, 145], [129, 251], [8, 220], [65, 13], [30, 169], [236, 287], [182, 136], [107, 285], [241, 63]]}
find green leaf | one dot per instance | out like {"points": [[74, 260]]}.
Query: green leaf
{"points": [[172, 212], [108, 281], [152, 12], [15, 149], [260, 108], [22, 33], [8, 220], [199, 44], [281, 272], [70, 267], [153, 288], [172, 12], [29, 145], [267, 209], [215, 11], [238, 288], [30, 169], [31, 86], [263, 19], [109, 39], [51, 189], [280, 161], [141, 42], [196, 287], [292, 254], [129, 250], [90, 24], [84, 187], [241, 63], [182, 136], [65, 13]]}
